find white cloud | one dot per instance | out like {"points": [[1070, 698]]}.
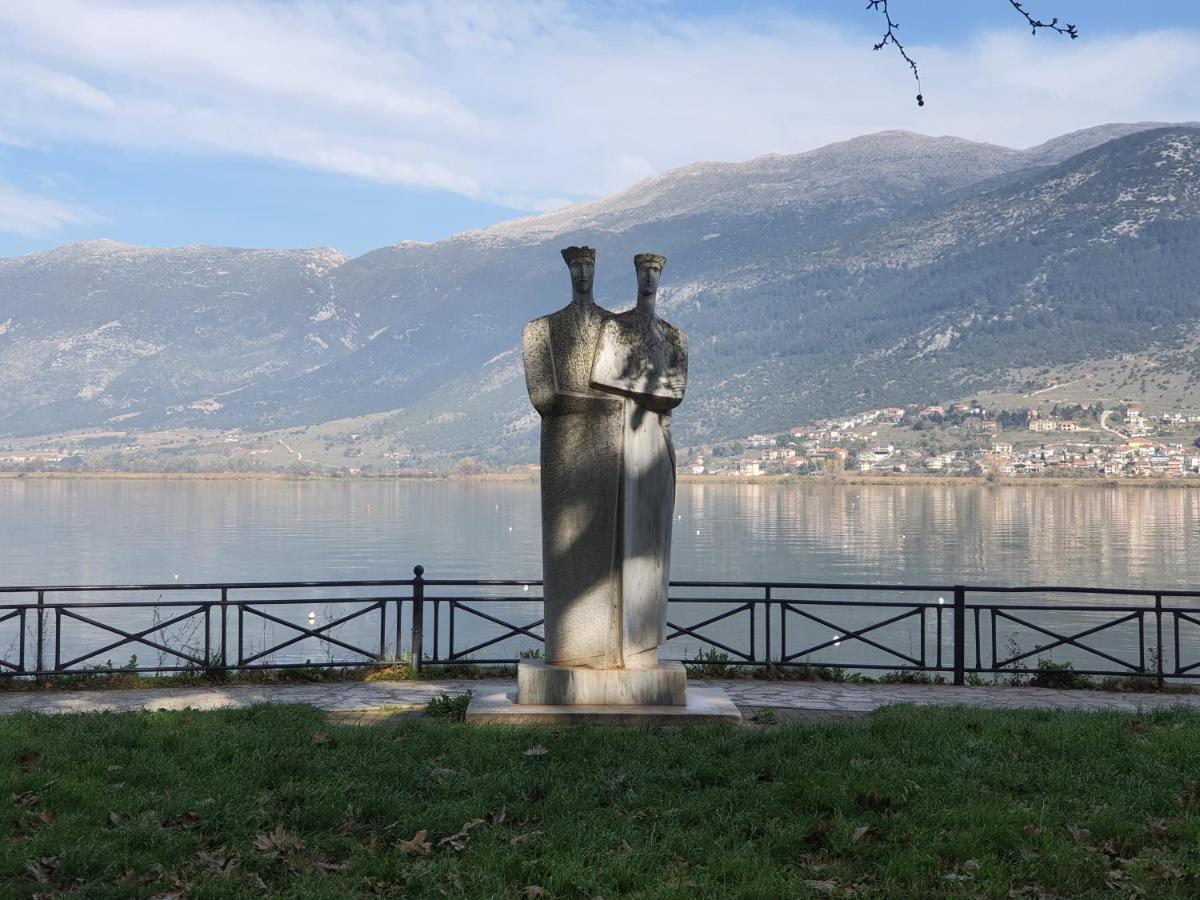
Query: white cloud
{"points": [[528, 103], [30, 215]]}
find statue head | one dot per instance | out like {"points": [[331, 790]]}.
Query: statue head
{"points": [[582, 263], [649, 268]]}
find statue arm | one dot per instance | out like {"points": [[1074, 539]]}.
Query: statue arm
{"points": [[539, 365], [613, 373]]}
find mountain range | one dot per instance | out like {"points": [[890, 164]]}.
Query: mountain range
{"points": [[883, 270]]}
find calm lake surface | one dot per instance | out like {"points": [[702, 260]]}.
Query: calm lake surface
{"points": [[132, 531]]}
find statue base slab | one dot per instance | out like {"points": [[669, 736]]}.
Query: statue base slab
{"points": [[705, 705], [545, 684]]}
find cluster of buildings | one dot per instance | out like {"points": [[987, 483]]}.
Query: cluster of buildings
{"points": [[850, 445]]}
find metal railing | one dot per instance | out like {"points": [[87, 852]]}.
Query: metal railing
{"points": [[951, 631]]}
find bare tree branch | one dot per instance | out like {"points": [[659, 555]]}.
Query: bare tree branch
{"points": [[1034, 24], [889, 36]]}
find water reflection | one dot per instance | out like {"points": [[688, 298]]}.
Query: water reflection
{"points": [[133, 531]]}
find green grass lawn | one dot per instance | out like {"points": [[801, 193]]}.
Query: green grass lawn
{"points": [[911, 803]]}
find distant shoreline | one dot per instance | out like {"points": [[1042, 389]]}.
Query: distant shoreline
{"points": [[529, 478]]}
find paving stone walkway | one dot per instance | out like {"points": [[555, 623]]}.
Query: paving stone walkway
{"points": [[379, 700]]}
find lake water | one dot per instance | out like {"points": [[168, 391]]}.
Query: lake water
{"points": [[133, 531]]}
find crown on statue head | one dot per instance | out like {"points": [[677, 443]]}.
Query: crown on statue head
{"points": [[570, 254], [653, 259]]}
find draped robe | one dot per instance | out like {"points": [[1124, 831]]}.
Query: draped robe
{"points": [[643, 360], [581, 437]]}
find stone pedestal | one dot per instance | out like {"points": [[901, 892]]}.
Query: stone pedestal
{"points": [[705, 706], [542, 684]]}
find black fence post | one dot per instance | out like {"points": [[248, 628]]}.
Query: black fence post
{"points": [[1158, 654], [224, 629], [41, 608], [418, 616], [960, 634]]}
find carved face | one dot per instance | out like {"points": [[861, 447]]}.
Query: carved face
{"points": [[583, 271], [647, 277]]}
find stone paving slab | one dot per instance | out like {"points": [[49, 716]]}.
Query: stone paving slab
{"points": [[821, 699]]}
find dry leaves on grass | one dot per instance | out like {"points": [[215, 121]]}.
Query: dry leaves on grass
{"points": [[819, 834], [1190, 796], [536, 751], [1117, 848], [417, 845], [187, 820], [279, 842], [41, 870], [26, 799], [873, 800], [535, 890], [864, 832], [43, 819], [320, 737], [965, 872], [1081, 836], [459, 840], [29, 761], [829, 886], [219, 861], [619, 783], [524, 838]]}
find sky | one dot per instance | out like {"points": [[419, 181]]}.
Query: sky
{"points": [[361, 123]]}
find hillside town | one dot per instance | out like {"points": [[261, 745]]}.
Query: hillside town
{"points": [[965, 439]]}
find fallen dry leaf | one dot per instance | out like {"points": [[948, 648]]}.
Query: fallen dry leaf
{"points": [[42, 869], [320, 738], [29, 761], [218, 861], [417, 844], [524, 838], [1080, 836], [861, 832], [26, 799], [44, 818], [828, 886], [458, 841], [535, 751], [535, 890], [280, 842], [1157, 827], [1116, 847]]}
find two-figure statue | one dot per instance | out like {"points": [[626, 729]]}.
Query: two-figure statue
{"points": [[605, 384]]}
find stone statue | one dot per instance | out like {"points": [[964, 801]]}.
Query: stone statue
{"points": [[605, 386], [643, 359], [582, 429]]}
